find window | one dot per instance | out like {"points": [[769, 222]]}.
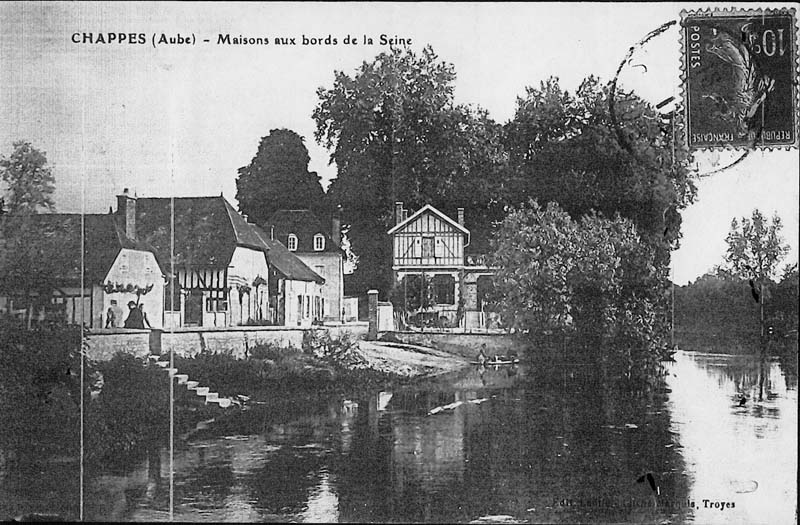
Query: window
{"points": [[319, 242], [320, 270], [444, 286], [291, 242], [427, 246], [218, 302]]}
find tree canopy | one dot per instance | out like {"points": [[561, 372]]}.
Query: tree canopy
{"points": [[567, 149], [278, 178], [591, 275], [30, 183], [755, 247], [396, 134]]}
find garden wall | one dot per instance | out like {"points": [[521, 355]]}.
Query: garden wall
{"points": [[187, 342]]}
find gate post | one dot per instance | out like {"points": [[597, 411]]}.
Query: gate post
{"points": [[372, 333]]}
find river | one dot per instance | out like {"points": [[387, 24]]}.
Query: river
{"points": [[504, 444]]}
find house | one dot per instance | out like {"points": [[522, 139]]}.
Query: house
{"points": [[431, 245], [227, 272], [40, 270], [318, 246], [295, 289]]}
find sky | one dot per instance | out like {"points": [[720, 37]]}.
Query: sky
{"points": [[181, 119]]}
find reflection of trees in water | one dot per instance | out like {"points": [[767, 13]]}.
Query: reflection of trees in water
{"points": [[750, 375], [283, 484], [546, 439], [365, 473]]}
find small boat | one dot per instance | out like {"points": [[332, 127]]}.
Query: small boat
{"points": [[496, 362]]}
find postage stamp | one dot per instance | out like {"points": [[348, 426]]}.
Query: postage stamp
{"points": [[740, 78]]}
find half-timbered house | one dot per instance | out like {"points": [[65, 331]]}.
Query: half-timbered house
{"points": [[432, 245], [226, 271]]}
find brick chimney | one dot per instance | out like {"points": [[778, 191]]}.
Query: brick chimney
{"points": [[126, 211], [336, 226], [398, 212], [461, 216]]}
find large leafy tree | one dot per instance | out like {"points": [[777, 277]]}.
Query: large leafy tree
{"points": [[395, 134], [29, 180], [588, 151], [610, 153], [590, 275], [278, 178], [29, 188], [755, 247]]}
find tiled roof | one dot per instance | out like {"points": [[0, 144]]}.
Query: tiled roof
{"points": [[305, 225], [207, 229], [286, 262], [52, 244]]}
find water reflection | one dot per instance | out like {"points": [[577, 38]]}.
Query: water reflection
{"points": [[541, 445], [744, 455]]}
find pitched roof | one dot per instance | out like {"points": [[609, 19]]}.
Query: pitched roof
{"points": [[305, 225], [207, 229], [51, 248], [287, 263], [431, 209]]}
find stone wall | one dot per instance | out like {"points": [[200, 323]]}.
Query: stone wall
{"points": [[466, 345], [103, 344]]}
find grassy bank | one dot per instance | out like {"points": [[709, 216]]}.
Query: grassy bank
{"points": [[324, 366]]}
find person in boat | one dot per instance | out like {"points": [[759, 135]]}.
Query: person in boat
{"points": [[482, 355]]}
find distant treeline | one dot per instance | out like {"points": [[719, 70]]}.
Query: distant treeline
{"points": [[721, 313]]}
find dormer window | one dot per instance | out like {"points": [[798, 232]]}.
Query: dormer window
{"points": [[291, 242], [319, 242]]}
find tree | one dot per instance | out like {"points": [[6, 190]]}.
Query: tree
{"points": [[567, 149], [754, 251], [589, 276], [30, 185], [395, 134], [29, 179], [278, 178], [755, 248]]}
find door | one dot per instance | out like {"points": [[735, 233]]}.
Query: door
{"points": [[194, 308]]}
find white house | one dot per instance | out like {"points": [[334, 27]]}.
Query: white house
{"points": [[430, 244], [318, 246], [116, 269]]}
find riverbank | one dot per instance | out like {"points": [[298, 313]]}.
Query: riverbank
{"points": [[408, 360]]}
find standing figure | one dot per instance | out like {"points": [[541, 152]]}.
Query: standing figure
{"points": [[145, 321], [111, 320], [113, 315], [134, 319]]}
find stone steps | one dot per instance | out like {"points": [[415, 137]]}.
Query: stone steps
{"points": [[200, 391]]}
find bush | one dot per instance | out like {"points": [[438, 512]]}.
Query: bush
{"points": [[338, 352], [131, 413]]}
